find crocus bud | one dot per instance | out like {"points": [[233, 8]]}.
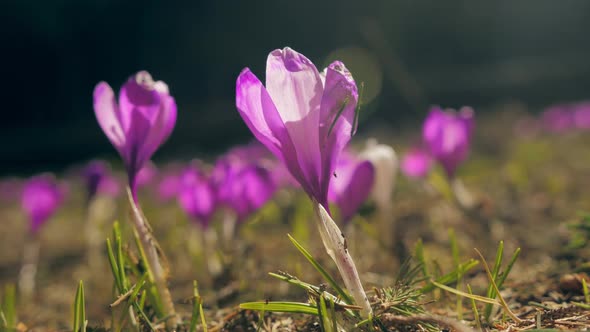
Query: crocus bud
{"points": [[40, 199], [384, 160], [447, 135], [416, 163], [139, 122]]}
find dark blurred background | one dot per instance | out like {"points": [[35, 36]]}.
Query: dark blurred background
{"points": [[409, 54]]}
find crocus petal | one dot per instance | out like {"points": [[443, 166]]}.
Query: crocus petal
{"points": [[161, 128], [134, 156], [351, 186], [106, 109], [294, 84], [259, 112], [139, 95], [262, 118], [338, 105]]}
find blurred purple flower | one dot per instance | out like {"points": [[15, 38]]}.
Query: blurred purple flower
{"points": [[416, 163], [40, 199], [243, 185], [447, 135], [582, 115], [99, 180], [139, 123], [351, 185], [169, 187], [558, 119], [196, 196], [302, 116]]}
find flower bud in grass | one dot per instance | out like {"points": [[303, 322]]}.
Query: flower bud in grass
{"points": [[416, 163], [305, 118], [351, 185], [386, 164], [40, 199], [447, 135], [139, 122]]}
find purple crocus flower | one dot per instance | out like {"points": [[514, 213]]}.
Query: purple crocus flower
{"points": [[304, 117], [351, 185], [40, 199], [558, 118], [139, 123], [447, 135], [246, 189], [99, 180], [416, 163], [196, 196]]}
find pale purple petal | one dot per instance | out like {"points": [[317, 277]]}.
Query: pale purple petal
{"points": [[294, 84], [351, 186], [262, 118], [338, 105], [106, 110], [259, 112]]}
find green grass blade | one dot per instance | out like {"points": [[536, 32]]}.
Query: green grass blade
{"points": [[333, 315], [419, 253], [114, 267], [323, 313], [197, 310], [343, 295], [8, 307], [474, 308], [289, 307], [79, 310], [504, 275]]}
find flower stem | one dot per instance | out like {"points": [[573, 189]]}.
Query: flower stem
{"points": [[154, 267], [337, 248], [28, 271]]}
